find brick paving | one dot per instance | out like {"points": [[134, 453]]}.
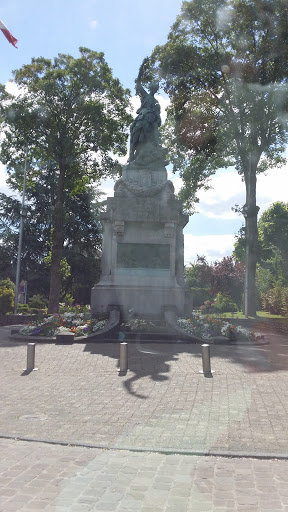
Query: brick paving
{"points": [[37, 476], [163, 404]]}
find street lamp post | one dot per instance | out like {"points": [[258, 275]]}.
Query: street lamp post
{"points": [[22, 217]]}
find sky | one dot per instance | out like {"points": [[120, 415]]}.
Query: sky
{"points": [[127, 31]]}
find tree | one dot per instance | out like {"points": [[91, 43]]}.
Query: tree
{"points": [[273, 235], [199, 287], [82, 239], [7, 293], [273, 230], [71, 113], [272, 251], [82, 248], [225, 277], [225, 70]]}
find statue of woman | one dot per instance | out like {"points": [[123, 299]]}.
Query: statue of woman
{"points": [[145, 127]]}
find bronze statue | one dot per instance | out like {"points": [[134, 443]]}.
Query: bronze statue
{"points": [[145, 127]]}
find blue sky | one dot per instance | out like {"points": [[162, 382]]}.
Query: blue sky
{"points": [[127, 31]]}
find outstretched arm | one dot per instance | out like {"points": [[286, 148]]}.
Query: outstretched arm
{"points": [[139, 87]]}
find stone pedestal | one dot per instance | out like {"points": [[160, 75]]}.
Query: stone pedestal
{"points": [[143, 249]]}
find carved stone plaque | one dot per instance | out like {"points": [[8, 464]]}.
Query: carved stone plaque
{"points": [[155, 256]]}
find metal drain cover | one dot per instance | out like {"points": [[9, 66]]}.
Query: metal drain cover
{"points": [[34, 417]]}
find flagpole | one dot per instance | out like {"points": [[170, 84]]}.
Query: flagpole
{"points": [[22, 216]]}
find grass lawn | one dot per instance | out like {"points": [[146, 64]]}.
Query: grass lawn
{"points": [[259, 314]]}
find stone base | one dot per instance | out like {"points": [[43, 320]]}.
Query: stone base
{"points": [[143, 245], [146, 301]]}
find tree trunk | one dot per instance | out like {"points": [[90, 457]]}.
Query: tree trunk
{"points": [[57, 246], [250, 212]]}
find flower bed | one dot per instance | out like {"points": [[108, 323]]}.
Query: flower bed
{"points": [[207, 327], [80, 324]]}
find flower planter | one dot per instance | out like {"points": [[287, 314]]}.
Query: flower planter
{"points": [[65, 338]]}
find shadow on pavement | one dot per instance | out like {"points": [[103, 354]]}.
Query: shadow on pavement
{"points": [[143, 361], [155, 361]]}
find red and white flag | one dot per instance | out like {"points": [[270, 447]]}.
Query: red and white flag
{"points": [[7, 34]]}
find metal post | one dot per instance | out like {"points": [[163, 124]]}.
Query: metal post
{"points": [[206, 364], [30, 357], [123, 357], [246, 277], [22, 215]]}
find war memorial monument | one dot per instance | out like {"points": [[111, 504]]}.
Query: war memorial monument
{"points": [[143, 245]]}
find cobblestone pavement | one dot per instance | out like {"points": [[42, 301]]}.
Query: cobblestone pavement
{"points": [[37, 476], [163, 404]]}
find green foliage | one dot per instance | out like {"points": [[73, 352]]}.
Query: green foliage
{"points": [[285, 301], [239, 252], [272, 270], [77, 309], [7, 283], [224, 68], [273, 230], [193, 274], [37, 301], [6, 300], [82, 236], [7, 294], [34, 311], [68, 299], [200, 295], [223, 303], [225, 276], [23, 308], [72, 114], [264, 280], [65, 269], [275, 301]]}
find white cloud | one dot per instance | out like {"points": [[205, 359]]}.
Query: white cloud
{"points": [[107, 186], [93, 24], [228, 190], [164, 104], [214, 247], [3, 185], [272, 187], [14, 89], [176, 180]]}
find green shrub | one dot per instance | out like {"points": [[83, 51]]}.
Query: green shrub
{"points": [[285, 301], [275, 300], [67, 299], [7, 283], [199, 296], [37, 301], [34, 311], [224, 304], [23, 308], [6, 300]]}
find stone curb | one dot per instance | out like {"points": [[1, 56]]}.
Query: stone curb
{"points": [[85, 339], [18, 338], [166, 451]]}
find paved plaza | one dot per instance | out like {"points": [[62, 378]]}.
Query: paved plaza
{"points": [[76, 435]]}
